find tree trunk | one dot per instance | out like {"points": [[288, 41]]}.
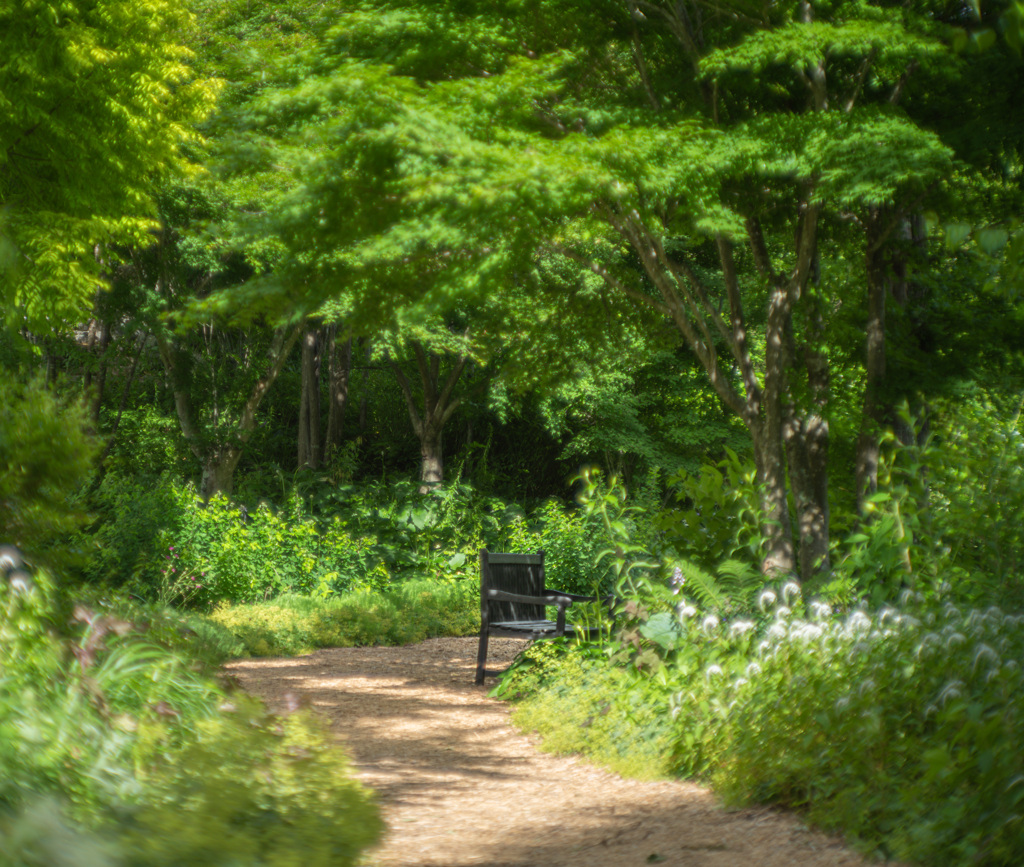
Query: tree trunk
{"points": [[807, 443], [129, 380], [219, 459], [338, 374], [807, 456], [438, 405], [309, 404], [769, 454], [90, 347], [364, 397], [873, 415], [431, 462], [51, 363], [101, 376], [219, 471]]}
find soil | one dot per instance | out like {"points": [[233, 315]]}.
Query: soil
{"points": [[459, 786]]}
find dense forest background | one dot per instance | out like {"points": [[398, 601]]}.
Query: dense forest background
{"points": [[496, 245]]}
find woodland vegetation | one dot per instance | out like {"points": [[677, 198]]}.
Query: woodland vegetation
{"points": [[719, 303]]}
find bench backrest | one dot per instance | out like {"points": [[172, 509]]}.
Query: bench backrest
{"points": [[513, 573]]}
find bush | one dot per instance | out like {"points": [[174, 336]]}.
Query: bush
{"points": [[45, 459], [903, 728], [142, 761], [243, 792], [157, 538]]}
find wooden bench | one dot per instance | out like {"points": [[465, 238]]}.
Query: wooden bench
{"points": [[513, 600]]}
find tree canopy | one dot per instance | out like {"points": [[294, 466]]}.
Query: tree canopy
{"points": [[97, 101]]}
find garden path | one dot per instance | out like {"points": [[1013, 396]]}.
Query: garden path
{"points": [[459, 786]]}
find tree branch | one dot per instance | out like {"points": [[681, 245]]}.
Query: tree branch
{"points": [[762, 260], [897, 91], [861, 75], [410, 402], [610, 279]]}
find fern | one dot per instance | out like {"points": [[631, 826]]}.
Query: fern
{"points": [[734, 586], [740, 582], [702, 586]]}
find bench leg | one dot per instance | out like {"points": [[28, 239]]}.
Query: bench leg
{"points": [[481, 656]]}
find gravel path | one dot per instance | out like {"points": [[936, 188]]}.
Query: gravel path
{"points": [[459, 786]]}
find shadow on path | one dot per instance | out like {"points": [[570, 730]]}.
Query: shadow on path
{"points": [[459, 786]]}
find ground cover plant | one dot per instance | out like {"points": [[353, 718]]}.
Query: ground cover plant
{"points": [[901, 728], [400, 614], [157, 538], [117, 750]]}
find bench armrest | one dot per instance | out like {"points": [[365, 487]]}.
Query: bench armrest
{"points": [[575, 597], [562, 600]]}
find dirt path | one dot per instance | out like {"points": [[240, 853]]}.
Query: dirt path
{"points": [[459, 786]]}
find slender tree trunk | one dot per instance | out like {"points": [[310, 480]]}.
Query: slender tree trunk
{"points": [[309, 406], [90, 347], [807, 445], [364, 397], [807, 438], [338, 374], [101, 375], [769, 453], [112, 437], [219, 459], [51, 363], [873, 414]]}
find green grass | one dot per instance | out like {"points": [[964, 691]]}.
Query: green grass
{"points": [[288, 625]]}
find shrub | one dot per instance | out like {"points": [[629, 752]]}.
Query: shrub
{"points": [[45, 459], [902, 728], [243, 792], [141, 760]]}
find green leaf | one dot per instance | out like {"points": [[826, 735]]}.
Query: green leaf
{"points": [[662, 629]]}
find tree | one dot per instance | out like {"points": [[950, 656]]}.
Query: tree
{"points": [[701, 167], [752, 176], [97, 100]]}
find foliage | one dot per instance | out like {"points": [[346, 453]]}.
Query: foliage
{"points": [[900, 728], [148, 443], [400, 614], [580, 704], [40, 834], [976, 493], [132, 512], [156, 536], [716, 515], [45, 459], [97, 99], [945, 515], [152, 762], [298, 804]]}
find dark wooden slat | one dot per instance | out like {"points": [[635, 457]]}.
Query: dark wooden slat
{"points": [[514, 559]]}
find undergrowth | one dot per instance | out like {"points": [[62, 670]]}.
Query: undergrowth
{"points": [[116, 750], [901, 728]]}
